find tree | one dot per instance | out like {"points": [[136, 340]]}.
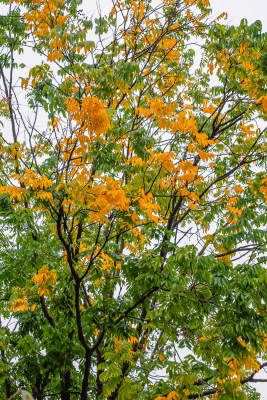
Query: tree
{"points": [[133, 202]]}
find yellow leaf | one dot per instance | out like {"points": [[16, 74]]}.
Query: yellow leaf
{"points": [[44, 278], [209, 110], [192, 206], [233, 201], [20, 305], [172, 396]]}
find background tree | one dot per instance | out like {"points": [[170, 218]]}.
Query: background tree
{"points": [[133, 202]]}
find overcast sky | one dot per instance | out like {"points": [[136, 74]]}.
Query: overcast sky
{"points": [[238, 9]]}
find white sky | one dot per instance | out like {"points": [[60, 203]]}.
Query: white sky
{"points": [[238, 9]]}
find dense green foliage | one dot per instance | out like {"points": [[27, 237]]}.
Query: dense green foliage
{"points": [[133, 202]]}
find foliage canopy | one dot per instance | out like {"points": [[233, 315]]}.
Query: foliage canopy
{"points": [[132, 202]]}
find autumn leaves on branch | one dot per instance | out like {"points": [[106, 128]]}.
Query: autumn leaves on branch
{"points": [[133, 202]]}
